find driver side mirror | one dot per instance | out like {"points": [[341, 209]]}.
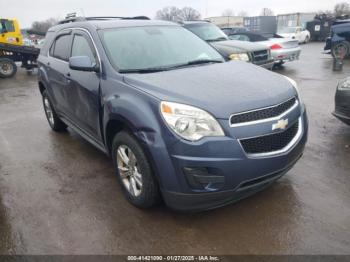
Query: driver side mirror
{"points": [[83, 63]]}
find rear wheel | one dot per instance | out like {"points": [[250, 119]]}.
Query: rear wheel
{"points": [[134, 171], [341, 50], [54, 121], [8, 68]]}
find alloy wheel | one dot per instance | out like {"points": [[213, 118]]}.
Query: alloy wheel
{"points": [[48, 111], [129, 170]]}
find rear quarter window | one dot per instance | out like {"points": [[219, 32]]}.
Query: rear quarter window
{"points": [[48, 42]]}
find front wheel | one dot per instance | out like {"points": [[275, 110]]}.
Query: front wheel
{"points": [[54, 121], [134, 171]]}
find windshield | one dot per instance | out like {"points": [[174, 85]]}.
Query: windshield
{"points": [[136, 48], [6, 26], [207, 31], [287, 30]]}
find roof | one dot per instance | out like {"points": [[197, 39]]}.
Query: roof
{"points": [[112, 23], [195, 22]]}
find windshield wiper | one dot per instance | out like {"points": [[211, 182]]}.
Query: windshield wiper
{"points": [[143, 70], [167, 68], [217, 39], [203, 61]]}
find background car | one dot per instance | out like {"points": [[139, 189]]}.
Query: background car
{"points": [[231, 50], [282, 49], [298, 33], [233, 30], [342, 101]]}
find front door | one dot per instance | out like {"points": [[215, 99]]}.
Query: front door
{"points": [[84, 87]]}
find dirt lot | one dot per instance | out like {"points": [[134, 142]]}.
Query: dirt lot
{"points": [[58, 194]]}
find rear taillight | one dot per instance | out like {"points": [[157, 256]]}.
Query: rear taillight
{"points": [[275, 46]]}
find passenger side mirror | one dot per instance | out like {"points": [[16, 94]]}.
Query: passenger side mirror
{"points": [[82, 63]]}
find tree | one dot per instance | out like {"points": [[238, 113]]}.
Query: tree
{"points": [[41, 27], [243, 13], [169, 13], [342, 8], [190, 14], [266, 12], [228, 12]]}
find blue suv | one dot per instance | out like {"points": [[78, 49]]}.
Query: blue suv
{"points": [[179, 123]]}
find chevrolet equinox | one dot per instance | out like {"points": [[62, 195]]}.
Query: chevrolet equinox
{"points": [[179, 123]]}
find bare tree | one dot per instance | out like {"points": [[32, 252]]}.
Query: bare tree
{"points": [[190, 14], [342, 8], [41, 27], [267, 12], [169, 13], [228, 12], [243, 13], [326, 12]]}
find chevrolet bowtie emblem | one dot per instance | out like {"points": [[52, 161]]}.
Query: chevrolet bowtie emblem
{"points": [[281, 124]]}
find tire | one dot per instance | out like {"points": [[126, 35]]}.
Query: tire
{"points": [[8, 68], [340, 45], [54, 121], [307, 39], [136, 178]]}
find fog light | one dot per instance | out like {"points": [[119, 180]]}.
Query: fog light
{"points": [[200, 178]]}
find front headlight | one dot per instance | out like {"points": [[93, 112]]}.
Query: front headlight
{"points": [[189, 122], [240, 56], [295, 85], [344, 85]]}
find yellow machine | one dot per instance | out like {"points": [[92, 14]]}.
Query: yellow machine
{"points": [[10, 32]]}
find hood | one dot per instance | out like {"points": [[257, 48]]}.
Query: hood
{"points": [[239, 45], [221, 89]]}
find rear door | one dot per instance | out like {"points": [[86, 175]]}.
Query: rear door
{"points": [[58, 72], [84, 87]]}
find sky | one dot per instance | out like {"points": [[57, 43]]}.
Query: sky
{"points": [[26, 11]]}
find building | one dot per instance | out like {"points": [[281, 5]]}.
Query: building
{"points": [[293, 20], [226, 21], [265, 25]]}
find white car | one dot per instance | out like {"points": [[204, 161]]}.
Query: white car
{"points": [[297, 33], [282, 49]]}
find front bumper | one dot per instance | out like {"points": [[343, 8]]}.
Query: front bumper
{"points": [[286, 54], [342, 106], [238, 174], [268, 64], [207, 201]]}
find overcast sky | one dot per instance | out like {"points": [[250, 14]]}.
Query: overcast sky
{"points": [[27, 11]]}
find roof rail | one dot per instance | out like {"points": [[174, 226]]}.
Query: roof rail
{"points": [[71, 18]]}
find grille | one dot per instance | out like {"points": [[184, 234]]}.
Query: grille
{"points": [[270, 143], [262, 113], [260, 56]]}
